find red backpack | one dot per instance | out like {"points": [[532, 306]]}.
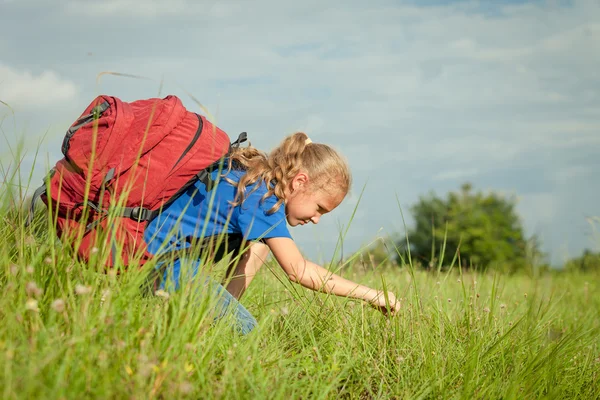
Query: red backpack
{"points": [[145, 153]]}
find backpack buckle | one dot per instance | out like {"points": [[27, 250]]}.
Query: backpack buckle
{"points": [[139, 213]]}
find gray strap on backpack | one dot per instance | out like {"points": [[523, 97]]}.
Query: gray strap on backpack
{"points": [[36, 195]]}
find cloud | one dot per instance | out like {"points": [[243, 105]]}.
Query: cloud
{"points": [[417, 98], [25, 89], [456, 174]]}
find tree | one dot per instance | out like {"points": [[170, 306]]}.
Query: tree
{"points": [[587, 262], [484, 230]]}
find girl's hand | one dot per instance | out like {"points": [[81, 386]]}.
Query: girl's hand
{"points": [[380, 303]]}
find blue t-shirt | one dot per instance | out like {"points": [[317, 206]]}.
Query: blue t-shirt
{"points": [[197, 214]]}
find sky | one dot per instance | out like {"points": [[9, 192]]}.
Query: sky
{"points": [[420, 96]]}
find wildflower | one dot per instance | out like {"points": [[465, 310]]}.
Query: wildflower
{"points": [[438, 283], [449, 300], [102, 359], [185, 387], [525, 295], [48, 260], [284, 311], [161, 293], [145, 369], [458, 280], [105, 295], [400, 359], [503, 306], [33, 290], [486, 309], [31, 305], [58, 305], [14, 269], [82, 289], [29, 269], [94, 250]]}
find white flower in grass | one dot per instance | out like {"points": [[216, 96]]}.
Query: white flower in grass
{"points": [[29, 269], [94, 250], [105, 295], [58, 305], [486, 309], [48, 260], [32, 305], [186, 387], [33, 290], [29, 240], [162, 293], [14, 269], [82, 289]]}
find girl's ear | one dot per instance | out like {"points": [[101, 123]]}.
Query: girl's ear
{"points": [[301, 179]]}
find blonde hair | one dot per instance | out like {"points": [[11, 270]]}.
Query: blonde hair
{"points": [[325, 168]]}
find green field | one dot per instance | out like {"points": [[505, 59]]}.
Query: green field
{"points": [[69, 331]]}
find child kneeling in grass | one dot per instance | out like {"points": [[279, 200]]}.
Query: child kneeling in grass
{"points": [[253, 197]]}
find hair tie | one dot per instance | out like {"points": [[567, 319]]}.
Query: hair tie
{"points": [[307, 141]]}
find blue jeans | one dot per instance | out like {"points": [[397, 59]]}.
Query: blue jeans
{"points": [[225, 303]]}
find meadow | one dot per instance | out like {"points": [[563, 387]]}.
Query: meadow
{"points": [[71, 330]]}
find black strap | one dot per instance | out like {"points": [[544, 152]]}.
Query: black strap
{"points": [[138, 213], [94, 114], [242, 137]]}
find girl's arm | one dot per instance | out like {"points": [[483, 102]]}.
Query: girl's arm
{"points": [[315, 277]]}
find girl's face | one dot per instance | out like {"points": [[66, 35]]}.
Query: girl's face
{"points": [[305, 204]]}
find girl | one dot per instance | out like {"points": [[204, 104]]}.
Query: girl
{"points": [[249, 204]]}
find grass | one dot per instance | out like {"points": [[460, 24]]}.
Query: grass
{"points": [[70, 331]]}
